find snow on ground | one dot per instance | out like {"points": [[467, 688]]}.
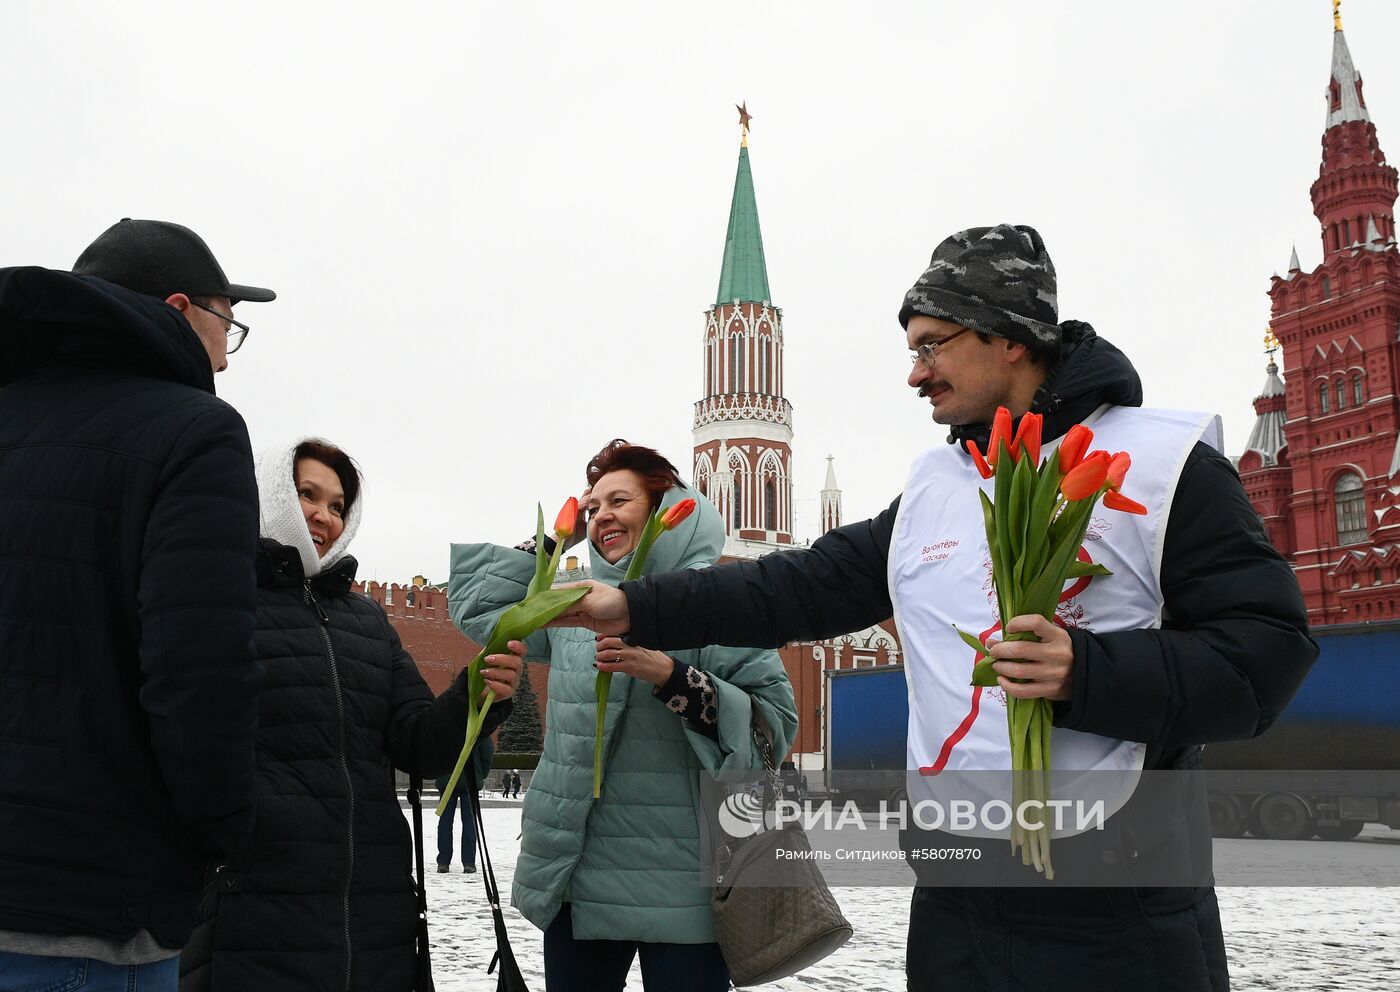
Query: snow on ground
{"points": [[1279, 939]]}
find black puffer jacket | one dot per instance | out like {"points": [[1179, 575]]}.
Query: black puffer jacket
{"points": [[128, 529], [323, 897], [1232, 650]]}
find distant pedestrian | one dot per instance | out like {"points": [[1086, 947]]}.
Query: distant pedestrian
{"points": [[468, 786], [128, 529], [792, 790], [515, 783]]}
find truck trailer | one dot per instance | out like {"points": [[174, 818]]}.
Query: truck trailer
{"points": [[1327, 767]]}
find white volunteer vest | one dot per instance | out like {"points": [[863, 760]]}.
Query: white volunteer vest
{"points": [[940, 574]]}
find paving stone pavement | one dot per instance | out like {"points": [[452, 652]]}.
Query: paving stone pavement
{"points": [[1337, 939]]}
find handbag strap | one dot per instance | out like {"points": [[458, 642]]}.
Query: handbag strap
{"points": [[762, 740], [415, 800], [510, 976], [758, 728]]}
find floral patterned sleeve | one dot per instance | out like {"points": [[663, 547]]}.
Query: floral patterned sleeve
{"points": [[528, 545], [690, 694]]}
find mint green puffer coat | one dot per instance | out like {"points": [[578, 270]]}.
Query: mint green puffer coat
{"points": [[629, 862]]}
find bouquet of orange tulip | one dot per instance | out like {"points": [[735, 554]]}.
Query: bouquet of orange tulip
{"points": [[657, 524], [540, 605], [1036, 522]]}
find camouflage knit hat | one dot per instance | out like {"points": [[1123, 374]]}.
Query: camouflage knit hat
{"points": [[999, 280]]}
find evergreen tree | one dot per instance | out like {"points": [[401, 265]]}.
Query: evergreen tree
{"points": [[522, 733]]}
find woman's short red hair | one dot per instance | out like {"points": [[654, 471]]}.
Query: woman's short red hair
{"points": [[657, 474]]}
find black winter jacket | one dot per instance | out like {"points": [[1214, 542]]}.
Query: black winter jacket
{"points": [[1232, 650], [128, 529], [323, 896]]}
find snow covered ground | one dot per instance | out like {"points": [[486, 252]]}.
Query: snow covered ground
{"points": [[1279, 939]]}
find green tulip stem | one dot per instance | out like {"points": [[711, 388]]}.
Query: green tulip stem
{"points": [[602, 684]]}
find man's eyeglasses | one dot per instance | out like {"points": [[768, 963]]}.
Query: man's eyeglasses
{"points": [[237, 332], [928, 352]]}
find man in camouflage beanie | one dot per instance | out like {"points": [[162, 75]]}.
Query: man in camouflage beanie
{"points": [[998, 283], [997, 280], [1200, 636]]}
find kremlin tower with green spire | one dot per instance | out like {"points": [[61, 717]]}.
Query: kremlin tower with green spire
{"points": [[743, 425]]}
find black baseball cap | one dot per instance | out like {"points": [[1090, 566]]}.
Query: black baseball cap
{"points": [[158, 258]]}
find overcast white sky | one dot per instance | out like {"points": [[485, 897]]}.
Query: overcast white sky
{"points": [[494, 228]]}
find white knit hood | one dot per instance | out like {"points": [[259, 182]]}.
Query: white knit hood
{"points": [[279, 508]]}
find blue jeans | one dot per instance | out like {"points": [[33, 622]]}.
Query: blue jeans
{"points": [[572, 965], [468, 831], [40, 973]]}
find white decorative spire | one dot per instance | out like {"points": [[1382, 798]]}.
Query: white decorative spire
{"points": [[1267, 436], [831, 499], [1348, 83], [1374, 241], [1293, 266]]}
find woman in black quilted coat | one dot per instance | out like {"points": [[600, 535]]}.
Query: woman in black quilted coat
{"points": [[323, 897]]}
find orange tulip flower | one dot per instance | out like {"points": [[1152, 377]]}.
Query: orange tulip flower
{"points": [[983, 469], [1001, 431], [1118, 468], [1086, 478], [1028, 438], [677, 513], [568, 516], [1074, 445], [1115, 500]]}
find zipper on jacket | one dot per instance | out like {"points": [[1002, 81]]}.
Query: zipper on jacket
{"points": [[344, 768]]}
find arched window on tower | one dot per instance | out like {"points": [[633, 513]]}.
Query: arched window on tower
{"points": [[1358, 390], [1339, 391], [736, 363], [770, 504], [1327, 285], [713, 350], [1323, 403], [738, 500], [1351, 509], [762, 385]]}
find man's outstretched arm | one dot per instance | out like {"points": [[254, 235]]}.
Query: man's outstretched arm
{"points": [[837, 585]]}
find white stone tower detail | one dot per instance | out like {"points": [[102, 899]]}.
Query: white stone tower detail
{"points": [[831, 500]]}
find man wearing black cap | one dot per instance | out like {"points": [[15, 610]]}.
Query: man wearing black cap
{"points": [[1199, 635], [128, 530]]}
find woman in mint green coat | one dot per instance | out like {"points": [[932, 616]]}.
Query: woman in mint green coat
{"points": [[619, 876]]}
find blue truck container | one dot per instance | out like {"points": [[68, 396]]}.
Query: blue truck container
{"points": [[865, 722], [1327, 767]]}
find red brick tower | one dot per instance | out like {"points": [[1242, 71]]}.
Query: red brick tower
{"points": [[1327, 479], [743, 426]]}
